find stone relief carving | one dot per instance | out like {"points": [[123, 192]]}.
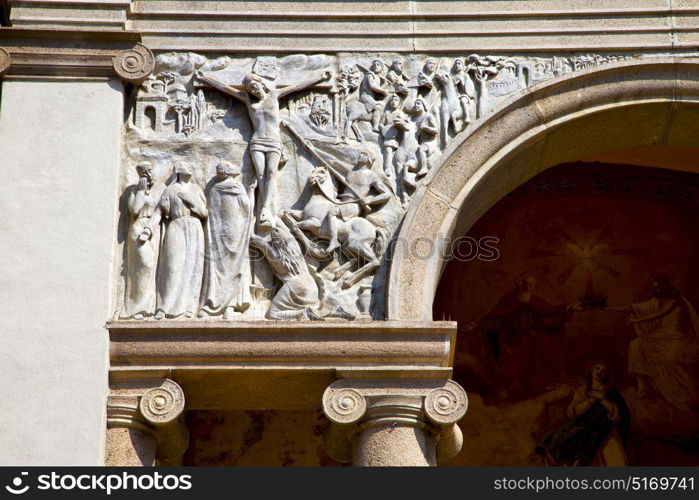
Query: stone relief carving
{"points": [[135, 64], [291, 175], [227, 279], [181, 261], [142, 256]]}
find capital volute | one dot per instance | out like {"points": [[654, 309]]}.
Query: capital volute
{"points": [[355, 405], [446, 405], [162, 405], [135, 64], [154, 408], [343, 405], [5, 61]]}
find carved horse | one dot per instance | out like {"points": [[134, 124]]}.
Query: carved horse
{"points": [[450, 110], [359, 237], [354, 112]]}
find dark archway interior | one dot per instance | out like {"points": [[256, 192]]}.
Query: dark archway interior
{"points": [[591, 234]]}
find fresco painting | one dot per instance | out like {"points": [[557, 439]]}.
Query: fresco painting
{"points": [[579, 344]]}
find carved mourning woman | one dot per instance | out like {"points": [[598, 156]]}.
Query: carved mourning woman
{"points": [[181, 265], [299, 291], [141, 256], [226, 287]]}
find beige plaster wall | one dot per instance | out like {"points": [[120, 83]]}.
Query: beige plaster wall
{"points": [[60, 147]]}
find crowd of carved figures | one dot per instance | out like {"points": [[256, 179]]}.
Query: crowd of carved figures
{"points": [[371, 128]]}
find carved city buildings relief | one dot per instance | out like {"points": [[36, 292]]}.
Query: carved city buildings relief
{"points": [[272, 188]]}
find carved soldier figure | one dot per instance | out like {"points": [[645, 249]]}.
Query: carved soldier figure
{"points": [[364, 191], [397, 78], [141, 256], [405, 159], [226, 286], [465, 87], [389, 133], [371, 92], [424, 78], [181, 265], [299, 291], [427, 130], [262, 102]]}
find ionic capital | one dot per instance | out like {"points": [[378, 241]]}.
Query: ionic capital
{"points": [[153, 408], [356, 406]]}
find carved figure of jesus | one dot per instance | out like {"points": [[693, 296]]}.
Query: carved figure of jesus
{"points": [[262, 102]]}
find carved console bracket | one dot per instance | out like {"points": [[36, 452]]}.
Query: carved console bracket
{"points": [[28, 52], [144, 424], [394, 422]]}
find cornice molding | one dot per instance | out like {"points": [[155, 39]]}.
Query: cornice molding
{"points": [[68, 53], [288, 363]]}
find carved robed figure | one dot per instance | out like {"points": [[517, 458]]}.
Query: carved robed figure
{"points": [[299, 290], [141, 256], [226, 286], [181, 265]]}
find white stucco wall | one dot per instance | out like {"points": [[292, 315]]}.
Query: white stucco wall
{"points": [[59, 150]]}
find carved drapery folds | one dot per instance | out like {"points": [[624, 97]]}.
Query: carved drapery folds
{"points": [[324, 154], [144, 425], [394, 422]]}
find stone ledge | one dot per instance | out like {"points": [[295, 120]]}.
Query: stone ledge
{"points": [[64, 53], [275, 365]]}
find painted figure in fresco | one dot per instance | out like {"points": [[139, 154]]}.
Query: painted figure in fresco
{"points": [[226, 286], [665, 352], [141, 256], [525, 335], [299, 290], [599, 428], [262, 101], [183, 206]]}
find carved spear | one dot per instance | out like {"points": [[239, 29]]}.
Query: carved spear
{"points": [[311, 149]]}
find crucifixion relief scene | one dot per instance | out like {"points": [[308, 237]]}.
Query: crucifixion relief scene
{"points": [[339, 233]]}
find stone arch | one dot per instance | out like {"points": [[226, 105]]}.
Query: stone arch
{"points": [[629, 104]]}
